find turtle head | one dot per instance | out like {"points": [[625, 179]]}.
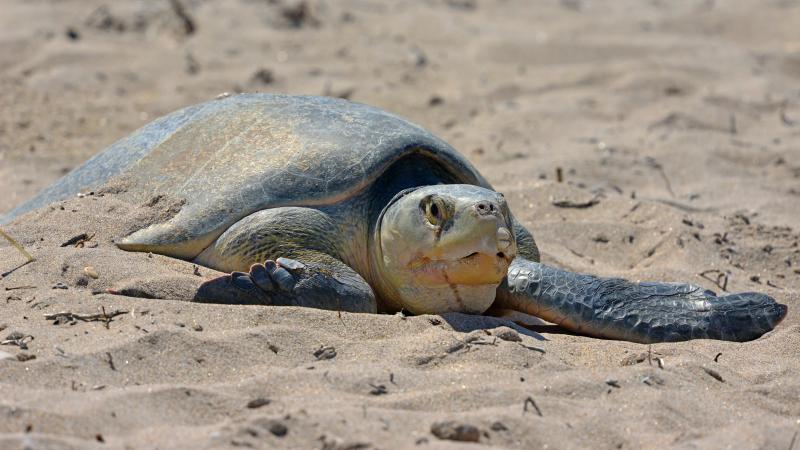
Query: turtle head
{"points": [[443, 248]]}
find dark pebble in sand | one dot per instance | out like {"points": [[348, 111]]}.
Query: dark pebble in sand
{"points": [[278, 429], [25, 357], [454, 431], [499, 426], [258, 403], [507, 334], [73, 34], [325, 353], [379, 389]]}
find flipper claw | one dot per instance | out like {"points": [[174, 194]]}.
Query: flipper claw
{"points": [[290, 264], [283, 279], [242, 281], [269, 276], [261, 277], [264, 284]]}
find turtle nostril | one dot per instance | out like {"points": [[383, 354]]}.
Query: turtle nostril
{"points": [[501, 254], [485, 208]]}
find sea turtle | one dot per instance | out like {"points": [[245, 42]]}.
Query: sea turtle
{"points": [[323, 202]]}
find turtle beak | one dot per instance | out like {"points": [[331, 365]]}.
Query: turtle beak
{"points": [[496, 216]]}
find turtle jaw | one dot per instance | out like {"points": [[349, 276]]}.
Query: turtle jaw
{"points": [[477, 268], [443, 248], [466, 284]]}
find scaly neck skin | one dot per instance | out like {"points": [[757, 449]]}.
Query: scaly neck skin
{"points": [[387, 295], [358, 241], [410, 174], [352, 232]]}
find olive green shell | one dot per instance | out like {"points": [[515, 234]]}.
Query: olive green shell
{"points": [[230, 157]]}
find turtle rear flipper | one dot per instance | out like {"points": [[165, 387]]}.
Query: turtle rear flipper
{"points": [[644, 312], [178, 237]]}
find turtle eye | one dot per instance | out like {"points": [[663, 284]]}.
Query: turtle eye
{"points": [[434, 210]]}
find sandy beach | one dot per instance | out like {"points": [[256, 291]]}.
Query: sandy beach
{"points": [[682, 119]]}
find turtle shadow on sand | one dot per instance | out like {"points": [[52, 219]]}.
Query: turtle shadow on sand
{"points": [[218, 290], [465, 323]]}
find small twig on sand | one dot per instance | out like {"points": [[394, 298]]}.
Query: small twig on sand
{"points": [[666, 181], [794, 439], [79, 240], [106, 319], [18, 247], [579, 205], [101, 317], [530, 401], [721, 279], [530, 347], [714, 374], [771, 284], [379, 389], [18, 339], [110, 361], [14, 288], [188, 24], [681, 206], [716, 358], [654, 164]]}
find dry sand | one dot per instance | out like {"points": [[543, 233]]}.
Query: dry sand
{"points": [[683, 117]]}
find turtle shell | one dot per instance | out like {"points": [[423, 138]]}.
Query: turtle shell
{"points": [[230, 157]]}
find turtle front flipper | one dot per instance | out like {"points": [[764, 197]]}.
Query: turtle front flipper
{"points": [[301, 268], [643, 312], [313, 280]]}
